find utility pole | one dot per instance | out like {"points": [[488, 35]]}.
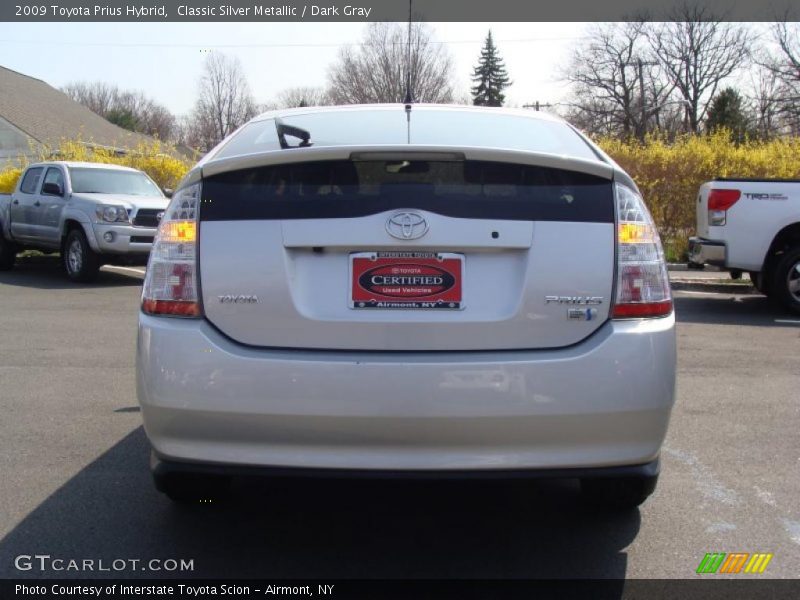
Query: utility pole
{"points": [[537, 105]]}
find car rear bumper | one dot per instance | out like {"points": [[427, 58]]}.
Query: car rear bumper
{"points": [[703, 251], [602, 403], [162, 469]]}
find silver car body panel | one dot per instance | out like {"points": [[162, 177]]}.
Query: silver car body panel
{"points": [[603, 402]]}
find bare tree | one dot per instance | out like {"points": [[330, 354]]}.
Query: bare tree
{"points": [[376, 70], [784, 69], [787, 67], [592, 116], [698, 51], [302, 96], [97, 96], [764, 100], [224, 102], [130, 109], [605, 79], [619, 87]]}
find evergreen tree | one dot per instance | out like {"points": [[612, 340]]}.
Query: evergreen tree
{"points": [[489, 76], [124, 118], [727, 111]]}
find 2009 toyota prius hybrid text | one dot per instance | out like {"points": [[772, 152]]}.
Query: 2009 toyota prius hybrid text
{"points": [[420, 291]]}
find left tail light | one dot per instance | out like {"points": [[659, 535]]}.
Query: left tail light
{"points": [[171, 286], [719, 201]]}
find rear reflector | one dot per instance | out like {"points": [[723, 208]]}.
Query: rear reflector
{"points": [[642, 282], [169, 307], [646, 309]]}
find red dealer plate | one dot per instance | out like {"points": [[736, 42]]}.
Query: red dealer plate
{"points": [[420, 280]]}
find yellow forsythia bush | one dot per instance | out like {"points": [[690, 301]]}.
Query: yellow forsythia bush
{"points": [[8, 179], [669, 173], [160, 161]]}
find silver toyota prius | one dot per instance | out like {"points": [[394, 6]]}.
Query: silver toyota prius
{"points": [[407, 290]]}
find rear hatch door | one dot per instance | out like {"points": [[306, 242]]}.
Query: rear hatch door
{"points": [[408, 250]]}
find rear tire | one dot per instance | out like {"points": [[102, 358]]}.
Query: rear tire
{"points": [[8, 254], [80, 261], [786, 279], [618, 493]]}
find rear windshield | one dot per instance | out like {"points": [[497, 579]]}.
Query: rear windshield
{"points": [[112, 181], [435, 127], [466, 189]]}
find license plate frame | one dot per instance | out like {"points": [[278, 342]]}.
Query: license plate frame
{"points": [[418, 280]]}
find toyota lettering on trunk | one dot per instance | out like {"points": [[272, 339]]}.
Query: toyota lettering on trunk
{"points": [[406, 280]]}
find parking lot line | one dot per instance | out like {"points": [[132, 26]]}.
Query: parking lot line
{"points": [[693, 293], [138, 271]]}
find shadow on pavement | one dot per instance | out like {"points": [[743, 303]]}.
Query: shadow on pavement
{"points": [[47, 273], [728, 309], [320, 528]]}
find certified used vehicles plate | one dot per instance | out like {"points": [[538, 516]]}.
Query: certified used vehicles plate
{"points": [[403, 280]]}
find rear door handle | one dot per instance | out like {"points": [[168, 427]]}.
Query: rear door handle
{"points": [[15, 201], [37, 203]]}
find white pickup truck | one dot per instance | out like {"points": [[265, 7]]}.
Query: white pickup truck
{"points": [[752, 225], [92, 213]]}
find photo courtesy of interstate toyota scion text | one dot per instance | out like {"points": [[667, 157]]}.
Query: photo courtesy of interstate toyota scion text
{"points": [[407, 291]]}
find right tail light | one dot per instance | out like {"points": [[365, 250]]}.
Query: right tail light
{"points": [[642, 283]]}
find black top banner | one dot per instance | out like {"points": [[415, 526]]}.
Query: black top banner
{"points": [[383, 10]]}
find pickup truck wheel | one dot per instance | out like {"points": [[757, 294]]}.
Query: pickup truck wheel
{"points": [[760, 281], [80, 261], [8, 253], [786, 282]]}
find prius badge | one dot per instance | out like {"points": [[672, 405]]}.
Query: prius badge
{"points": [[406, 226]]}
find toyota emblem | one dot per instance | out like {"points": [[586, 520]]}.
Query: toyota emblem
{"points": [[407, 226]]}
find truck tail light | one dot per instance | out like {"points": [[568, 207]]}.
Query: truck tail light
{"points": [[642, 283], [171, 286], [719, 201]]}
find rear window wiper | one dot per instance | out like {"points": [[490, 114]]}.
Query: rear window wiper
{"points": [[301, 134]]}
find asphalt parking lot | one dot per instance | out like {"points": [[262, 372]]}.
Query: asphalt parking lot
{"points": [[75, 480]]}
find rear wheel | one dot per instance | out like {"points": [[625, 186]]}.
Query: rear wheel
{"points": [[619, 493], [786, 279], [80, 261], [8, 253]]}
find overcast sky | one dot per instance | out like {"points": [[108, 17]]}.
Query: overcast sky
{"points": [[164, 60]]}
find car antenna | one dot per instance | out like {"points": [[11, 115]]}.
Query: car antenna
{"points": [[409, 99]]}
